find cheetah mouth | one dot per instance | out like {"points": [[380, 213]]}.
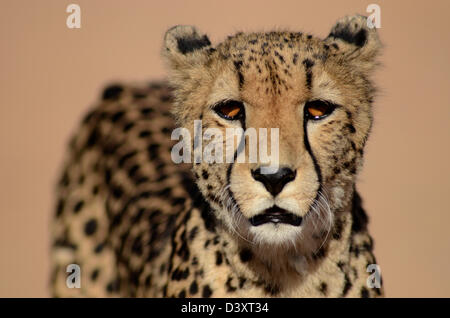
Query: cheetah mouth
{"points": [[276, 215]]}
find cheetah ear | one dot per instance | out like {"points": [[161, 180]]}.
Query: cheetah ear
{"points": [[184, 47], [355, 40]]}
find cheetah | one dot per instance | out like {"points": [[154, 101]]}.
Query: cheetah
{"points": [[140, 225]]}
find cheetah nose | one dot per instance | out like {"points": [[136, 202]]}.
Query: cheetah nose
{"points": [[274, 182]]}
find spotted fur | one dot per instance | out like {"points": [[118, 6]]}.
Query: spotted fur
{"points": [[140, 225]]}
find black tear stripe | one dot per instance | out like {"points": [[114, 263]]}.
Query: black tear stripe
{"points": [[230, 168], [316, 165], [192, 43]]}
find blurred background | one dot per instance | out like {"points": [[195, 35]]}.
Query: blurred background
{"points": [[50, 75]]}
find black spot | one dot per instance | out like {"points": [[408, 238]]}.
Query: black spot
{"points": [[209, 220], [125, 157], [133, 170], [347, 285], [364, 292], [323, 288], [90, 227], [245, 255], [94, 274], [242, 281], [219, 258], [93, 138], [280, 57], [205, 174], [60, 207], [319, 254], [179, 274], [78, 206], [359, 216], [128, 126], [116, 116], [359, 38], [64, 180], [89, 117], [338, 228], [193, 289], [153, 151], [117, 192], [165, 130], [164, 192], [295, 58], [308, 64], [207, 292], [272, 289], [145, 133], [99, 248], [183, 251], [136, 248], [351, 128], [148, 280], [112, 92], [136, 218], [193, 233], [146, 110], [113, 286], [182, 294], [141, 180], [238, 65], [190, 44], [139, 95], [178, 200], [378, 291]]}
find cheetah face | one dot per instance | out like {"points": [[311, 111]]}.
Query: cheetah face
{"points": [[315, 92]]}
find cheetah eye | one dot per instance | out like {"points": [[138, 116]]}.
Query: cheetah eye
{"points": [[230, 109], [318, 109]]}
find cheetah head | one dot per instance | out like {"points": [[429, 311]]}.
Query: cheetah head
{"points": [[315, 91]]}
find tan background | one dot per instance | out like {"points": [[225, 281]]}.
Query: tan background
{"points": [[50, 74]]}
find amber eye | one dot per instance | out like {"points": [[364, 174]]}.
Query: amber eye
{"points": [[318, 109], [230, 109]]}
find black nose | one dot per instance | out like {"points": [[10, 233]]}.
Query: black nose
{"points": [[275, 182]]}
